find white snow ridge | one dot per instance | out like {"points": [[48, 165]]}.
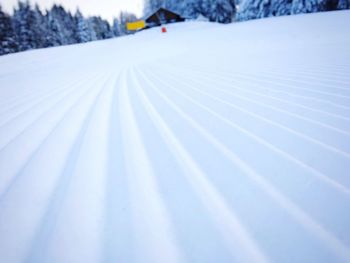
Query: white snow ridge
{"points": [[209, 143]]}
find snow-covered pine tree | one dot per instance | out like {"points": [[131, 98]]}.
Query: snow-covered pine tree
{"points": [[308, 6], [280, 7], [24, 21], [92, 29], [151, 6], [205, 6], [7, 37], [190, 8], [101, 28], [39, 28], [83, 33], [65, 23], [55, 36], [343, 4], [253, 9], [246, 9], [275, 8], [173, 5], [106, 29], [116, 27], [221, 11], [70, 26], [95, 24]]}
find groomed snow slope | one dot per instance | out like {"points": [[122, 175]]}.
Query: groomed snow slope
{"points": [[211, 143]]}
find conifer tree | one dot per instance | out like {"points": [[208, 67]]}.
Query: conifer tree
{"points": [[307, 6], [83, 33], [7, 37], [24, 21], [151, 6], [343, 4], [116, 27], [221, 11]]}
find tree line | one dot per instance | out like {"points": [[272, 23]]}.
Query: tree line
{"points": [[253, 9], [30, 28], [227, 11]]}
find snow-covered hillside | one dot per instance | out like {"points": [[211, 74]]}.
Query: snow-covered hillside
{"points": [[210, 143]]}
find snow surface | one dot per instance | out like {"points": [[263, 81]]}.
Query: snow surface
{"points": [[210, 143]]}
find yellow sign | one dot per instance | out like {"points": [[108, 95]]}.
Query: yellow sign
{"points": [[137, 25]]}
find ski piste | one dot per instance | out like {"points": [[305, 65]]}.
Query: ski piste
{"points": [[210, 143]]}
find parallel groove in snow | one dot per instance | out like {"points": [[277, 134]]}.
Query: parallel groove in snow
{"points": [[28, 104], [226, 80], [225, 218], [36, 112], [187, 149], [26, 174], [314, 227], [83, 206], [277, 109], [259, 84], [44, 232], [14, 143], [151, 219], [312, 171], [302, 135]]}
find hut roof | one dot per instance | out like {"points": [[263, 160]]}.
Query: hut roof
{"points": [[162, 10], [149, 14]]}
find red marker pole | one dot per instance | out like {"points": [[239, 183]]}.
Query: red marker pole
{"points": [[164, 29]]}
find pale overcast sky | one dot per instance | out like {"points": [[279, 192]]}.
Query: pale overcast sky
{"points": [[105, 8]]}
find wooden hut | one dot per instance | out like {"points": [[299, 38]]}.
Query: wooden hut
{"points": [[163, 16]]}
